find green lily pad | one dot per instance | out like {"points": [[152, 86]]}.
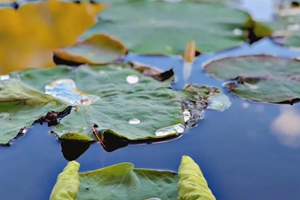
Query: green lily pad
{"points": [[259, 78], [108, 100], [123, 181], [287, 26], [159, 27], [120, 181]]}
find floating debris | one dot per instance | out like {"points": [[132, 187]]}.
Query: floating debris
{"points": [[134, 121], [65, 89], [186, 115], [132, 79], [218, 102], [175, 129]]}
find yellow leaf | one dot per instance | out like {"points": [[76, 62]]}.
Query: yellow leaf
{"points": [[29, 35], [189, 54], [192, 184], [67, 184]]}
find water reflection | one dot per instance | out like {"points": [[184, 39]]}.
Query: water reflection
{"points": [[72, 149], [287, 126]]}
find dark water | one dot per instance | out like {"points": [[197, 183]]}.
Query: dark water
{"points": [[250, 151]]}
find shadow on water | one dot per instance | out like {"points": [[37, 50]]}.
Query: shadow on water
{"points": [[250, 151]]}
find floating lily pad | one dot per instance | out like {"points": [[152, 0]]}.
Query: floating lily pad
{"points": [[259, 78], [123, 181], [108, 100], [97, 49], [287, 25], [159, 27]]}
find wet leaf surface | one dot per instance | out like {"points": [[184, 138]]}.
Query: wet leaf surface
{"points": [[152, 21], [35, 30], [20, 106], [107, 100], [259, 78]]}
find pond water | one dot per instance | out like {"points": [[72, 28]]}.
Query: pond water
{"points": [[250, 151]]}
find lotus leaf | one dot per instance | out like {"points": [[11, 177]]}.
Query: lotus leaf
{"points": [[123, 181], [110, 99], [160, 27], [259, 78]]}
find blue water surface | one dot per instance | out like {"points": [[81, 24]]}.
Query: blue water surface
{"points": [[250, 151]]}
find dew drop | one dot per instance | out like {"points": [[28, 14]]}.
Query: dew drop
{"points": [[134, 121], [186, 115], [237, 32], [293, 27], [4, 77], [3, 115], [132, 79], [65, 89], [175, 129]]}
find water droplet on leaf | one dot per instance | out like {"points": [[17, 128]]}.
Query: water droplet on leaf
{"points": [[293, 27], [65, 89], [132, 79], [4, 77], [134, 121], [175, 129], [237, 32], [4, 115]]}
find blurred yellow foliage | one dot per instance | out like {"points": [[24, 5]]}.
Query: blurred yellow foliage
{"points": [[29, 35]]}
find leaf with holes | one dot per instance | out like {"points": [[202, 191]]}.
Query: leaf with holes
{"points": [[259, 78]]}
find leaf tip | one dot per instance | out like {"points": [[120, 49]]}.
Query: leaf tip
{"points": [[190, 52]]}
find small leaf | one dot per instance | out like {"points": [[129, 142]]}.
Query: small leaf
{"points": [[190, 51], [192, 184], [97, 49]]}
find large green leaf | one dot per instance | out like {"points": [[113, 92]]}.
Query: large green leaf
{"points": [[192, 184], [120, 181], [116, 98], [259, 78], [158, 27]]}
